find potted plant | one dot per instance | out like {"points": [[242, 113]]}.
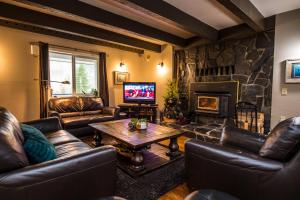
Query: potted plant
{"points": [[136, 123], [171, 99], [142, 124]]}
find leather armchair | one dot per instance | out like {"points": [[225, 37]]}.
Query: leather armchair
{"points": [[79, 172], [235, 166]]}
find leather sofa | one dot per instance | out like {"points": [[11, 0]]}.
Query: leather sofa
{"points": [[248, 165], [79, 172], [76, 112]]}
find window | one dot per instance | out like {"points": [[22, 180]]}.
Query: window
{"points": [[80, 71]]}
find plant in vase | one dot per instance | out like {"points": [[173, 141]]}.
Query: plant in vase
{"points": [[136, 123], [142, 124]]}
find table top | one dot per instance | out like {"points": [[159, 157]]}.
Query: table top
{"points": [[138, 138]]}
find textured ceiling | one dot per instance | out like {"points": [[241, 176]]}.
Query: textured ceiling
{"points": [[273, 7]]}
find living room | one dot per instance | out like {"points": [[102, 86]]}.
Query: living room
{"points": [[128, 99]]}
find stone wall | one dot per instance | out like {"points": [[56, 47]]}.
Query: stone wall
{"points": [[249, 61]]}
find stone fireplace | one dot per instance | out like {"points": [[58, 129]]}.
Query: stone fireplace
{"points": [[247, 60]]}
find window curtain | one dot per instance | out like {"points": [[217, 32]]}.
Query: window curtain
{"points": [[44, 78], [103, 87]]}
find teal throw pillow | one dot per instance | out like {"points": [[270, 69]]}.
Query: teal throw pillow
{"points": [[36, 145]]}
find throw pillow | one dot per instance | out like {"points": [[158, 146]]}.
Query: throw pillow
{"points": [[282, 141], [12, 154], [36, 145]]}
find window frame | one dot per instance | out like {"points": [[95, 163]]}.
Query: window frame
{"points": [[75, 55]]}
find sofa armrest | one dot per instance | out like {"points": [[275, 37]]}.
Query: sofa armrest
{"points": [[230, 156], [46, 125], [112, 111], [93, 171], [242, 138], [54, 114]]}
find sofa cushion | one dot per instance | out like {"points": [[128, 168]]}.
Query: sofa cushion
{"points": [[12, 154], [61, 137], [36, 145], [71, 149], [90, 103], [283, 140], [80, 121], [71, 114], [64, 104]]}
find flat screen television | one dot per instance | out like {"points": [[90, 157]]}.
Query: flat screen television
{"points": [[139, 92]]}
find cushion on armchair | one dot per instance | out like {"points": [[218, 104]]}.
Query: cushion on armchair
{"points": [[283, 140], [36, 145], [12, 154]]}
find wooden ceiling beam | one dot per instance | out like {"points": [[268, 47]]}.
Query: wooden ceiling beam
{"points": [[90, 12], [64, 25], [172, 13], [36, 29], [247, 12]]}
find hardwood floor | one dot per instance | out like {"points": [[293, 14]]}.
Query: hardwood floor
{"points": [[178, 193], [181, 141], [181, 191]]}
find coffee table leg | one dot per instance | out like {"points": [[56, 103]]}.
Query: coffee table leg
{"points": [[173, 148], [97, 139], [137, 161]]}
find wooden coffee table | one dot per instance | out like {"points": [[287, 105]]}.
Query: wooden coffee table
{"points": [[138, 140]]}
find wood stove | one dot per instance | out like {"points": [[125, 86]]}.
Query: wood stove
{"points": [[212, 103]]}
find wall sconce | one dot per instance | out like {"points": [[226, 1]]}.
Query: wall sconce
{"points": [[161, 68], [160, 65], [122, 67]]}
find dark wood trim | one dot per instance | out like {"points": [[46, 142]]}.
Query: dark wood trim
{"points": [[87, 11], [64, 25], [50, 32], [246, 11], [236, 32], [174, 14]]}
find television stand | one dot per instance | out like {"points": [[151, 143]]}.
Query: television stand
{"points": [[148, 111]]}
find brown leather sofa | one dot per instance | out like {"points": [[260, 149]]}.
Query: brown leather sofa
{"points": [[75, 113], [78, 173], [248, 165]]}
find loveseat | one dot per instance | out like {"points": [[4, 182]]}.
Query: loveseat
{"points": [[78, 172], [248, 165], [76, 112]]}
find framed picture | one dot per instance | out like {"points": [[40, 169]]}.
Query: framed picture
{"points": [[292, 71], [120, 77]]}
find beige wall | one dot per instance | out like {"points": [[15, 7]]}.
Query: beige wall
{"points": [[18, 69], [287, 46]]}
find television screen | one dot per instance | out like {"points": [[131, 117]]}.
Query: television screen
{"points": [[138, 92], [296, 70]]}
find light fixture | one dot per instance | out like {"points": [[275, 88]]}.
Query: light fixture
{"points": [[122, 64], [160, 65], [161, 68]]}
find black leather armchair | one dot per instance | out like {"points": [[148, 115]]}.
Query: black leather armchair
{"points": [[79, 172], [238, 165]]}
